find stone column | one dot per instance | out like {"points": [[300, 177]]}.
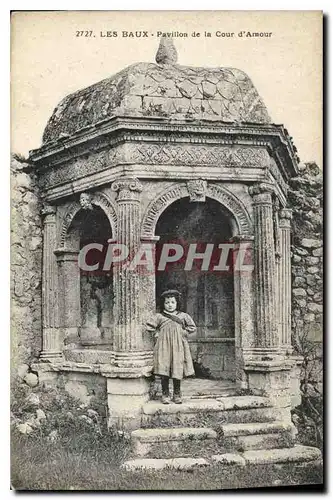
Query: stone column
{"points": [[128, 328], [51, 341], [69, 292], [128, 377], [243, 304], [284, 280], [148, 288], [267, 368], [266, 337], [277, 239]]}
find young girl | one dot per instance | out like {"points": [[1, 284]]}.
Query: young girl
{"points": [[172, 356]]}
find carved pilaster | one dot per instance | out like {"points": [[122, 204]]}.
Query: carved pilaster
{"points": [[243, 297], [69, 284], [284, 280], [128, 330], [148, 286], [51, 342], [276, 229], [264, 267]]}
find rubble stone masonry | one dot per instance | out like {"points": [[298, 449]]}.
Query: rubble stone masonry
{"points": [[306, 200], [26, 264]]}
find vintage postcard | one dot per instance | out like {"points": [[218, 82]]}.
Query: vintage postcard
{"points": [[166, 250]]}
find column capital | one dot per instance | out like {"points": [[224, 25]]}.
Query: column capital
{"points": [[285, 216], [128, 189], [262, 192], [63, 254], [48, 209], [286, 213]]}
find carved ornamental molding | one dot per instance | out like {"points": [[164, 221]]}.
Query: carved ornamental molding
{"points": [[100, 200], [180, 190]]}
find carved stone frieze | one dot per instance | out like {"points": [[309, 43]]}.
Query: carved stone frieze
{"points": [[155, 154], [81, 166], [171, 154]]}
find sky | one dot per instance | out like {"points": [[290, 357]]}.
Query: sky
{"points": [[48, 61]]}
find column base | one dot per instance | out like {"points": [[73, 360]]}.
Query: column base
{"points": [[295, 380], [269, 375], [126, 396], [134, 359], [50, 356], [52, 343]]}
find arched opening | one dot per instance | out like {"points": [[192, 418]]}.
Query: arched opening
{"points": [[207, 295], [96, 286]]}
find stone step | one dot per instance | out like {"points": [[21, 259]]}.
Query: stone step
{"points": [[247, 429], [297, 454], [165, 442], [208, 412], [256, 436]]}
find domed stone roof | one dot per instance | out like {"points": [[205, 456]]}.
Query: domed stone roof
{"points": [[165, 90]]}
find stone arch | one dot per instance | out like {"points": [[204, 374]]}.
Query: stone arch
{"points": [[99, 199], [180, 190]]}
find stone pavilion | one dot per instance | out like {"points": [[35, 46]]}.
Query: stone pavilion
{"points": [[161, 153]]}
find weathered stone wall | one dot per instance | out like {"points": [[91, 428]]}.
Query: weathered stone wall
{"points": [[306, 199], [26, 264]]}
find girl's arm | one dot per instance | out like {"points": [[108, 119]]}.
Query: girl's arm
{"points": [[189, 325], [152, 325]]}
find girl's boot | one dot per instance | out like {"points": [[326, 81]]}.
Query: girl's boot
{"points": [[165, 390], [177, 398]]}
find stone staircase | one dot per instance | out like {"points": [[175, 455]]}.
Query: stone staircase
{"points": [[206, 430]]}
